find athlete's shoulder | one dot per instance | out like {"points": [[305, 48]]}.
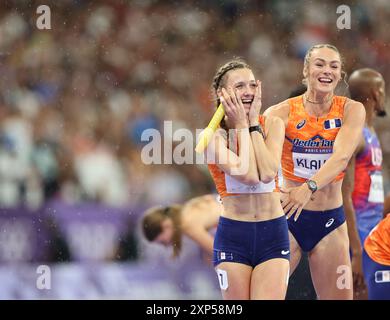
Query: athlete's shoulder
{"points": [[353, 106], [274, 122], [280, 110]]}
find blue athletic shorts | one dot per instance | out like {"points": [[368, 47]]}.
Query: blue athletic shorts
{"points": [[377, 277], [312, 226], [251, 243]]}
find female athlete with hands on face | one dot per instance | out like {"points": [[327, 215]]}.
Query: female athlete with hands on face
{"points": [[251, 245]]}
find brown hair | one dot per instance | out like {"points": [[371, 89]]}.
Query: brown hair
{"points": [[152, 220], [319, 46], [219, 79]]}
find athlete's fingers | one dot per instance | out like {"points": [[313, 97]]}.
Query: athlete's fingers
{"points": [[226, 106], [360, 280], [239, 102], [356, 278], [359, 283], [290, 211], [233, 96], [284, 198], [355, 283], [298, 213], [257, 96], [284, 203], [258, 90], [227, 97], [285, 190], [287, 205]]}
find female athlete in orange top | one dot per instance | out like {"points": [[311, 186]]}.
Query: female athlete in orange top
{"points": [[251, 245], [322, 132], [376, 261]]}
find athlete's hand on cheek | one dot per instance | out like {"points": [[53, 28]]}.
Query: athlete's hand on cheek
{"points": [[256, 106], [233, 108], [297, 198]]}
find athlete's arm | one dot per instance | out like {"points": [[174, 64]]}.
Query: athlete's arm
{"points": [[268, 151], [200, 236], [199, 215], [345, 144], [242, 166], [353, 234], [267, 148], [280, 110]]}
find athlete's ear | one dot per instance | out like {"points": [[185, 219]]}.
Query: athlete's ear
{"points": [[343, 76], [375, 95], [304, 72], [219, 92]]}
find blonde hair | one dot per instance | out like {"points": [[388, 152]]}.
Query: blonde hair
{"points": [[152, 221], [319, 46]]}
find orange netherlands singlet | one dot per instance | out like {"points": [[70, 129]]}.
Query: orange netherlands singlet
{"points": [[309, 140], [228, 186], [377, 244]]}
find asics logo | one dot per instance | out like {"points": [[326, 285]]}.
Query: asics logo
{"points": [[301, 124], [284, 252], [329, 223]]}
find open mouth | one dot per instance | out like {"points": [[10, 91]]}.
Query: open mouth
{"points": [[247, 102], [325, 80]]}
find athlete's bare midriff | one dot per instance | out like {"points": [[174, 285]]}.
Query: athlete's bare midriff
{"points": [[327, 198], [253, 207]]}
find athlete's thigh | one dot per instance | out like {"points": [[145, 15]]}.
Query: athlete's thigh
{"points": [[270, 279], [234, 279], [295, 253], [330, 266]]}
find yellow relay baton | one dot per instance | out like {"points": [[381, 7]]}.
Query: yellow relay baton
{"points": [[210, 129]]}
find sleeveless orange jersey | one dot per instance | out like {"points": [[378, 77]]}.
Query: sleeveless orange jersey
{"points": [[377, 244], [309, 140], [228, 186]]}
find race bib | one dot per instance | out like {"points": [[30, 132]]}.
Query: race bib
{"points": [[376, 194], [307, 164]]}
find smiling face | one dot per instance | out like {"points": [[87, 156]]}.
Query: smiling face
{"points": [[243, 83], [322, 70]]}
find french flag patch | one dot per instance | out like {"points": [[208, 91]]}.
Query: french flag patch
{"points": [[332, 124]]}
